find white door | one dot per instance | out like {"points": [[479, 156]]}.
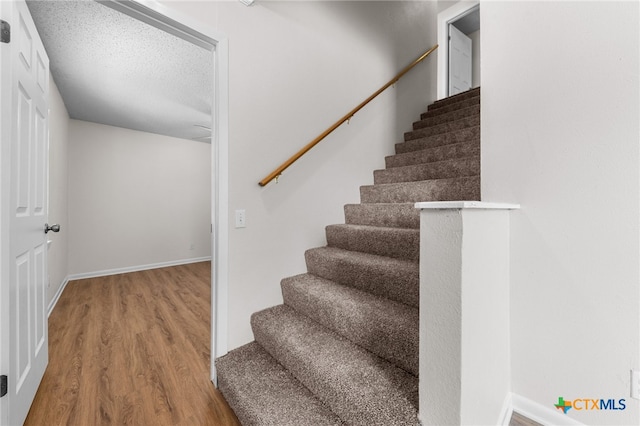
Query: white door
{"points": [[24, 209], [459, 61]]}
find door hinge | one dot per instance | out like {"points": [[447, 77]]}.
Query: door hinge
{"points": [[5, 32], [3, 385]]}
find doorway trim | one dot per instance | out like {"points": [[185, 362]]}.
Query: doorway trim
{"points": [[445, 18], [180, 25]]}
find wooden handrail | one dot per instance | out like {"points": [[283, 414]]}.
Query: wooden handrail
{"points": [[277, 172]]}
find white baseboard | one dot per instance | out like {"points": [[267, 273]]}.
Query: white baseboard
{"points": [[56, 297], [507, 411], [531, 410], [107, 272], [540, 413], [137, 268]]}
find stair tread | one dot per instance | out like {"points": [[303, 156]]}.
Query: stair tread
{"points": [[456, 98], [396, 215], [263, 392], [383, 241], [384, 327], [456, 136], [432, 154], [395, 279], [445, 117], [360, 387], [449, 168], [434, 112], [461, 123], [461, 188]]}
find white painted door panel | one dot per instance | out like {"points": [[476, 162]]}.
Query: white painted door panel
{"points": [[460, 64], [26, 210]]}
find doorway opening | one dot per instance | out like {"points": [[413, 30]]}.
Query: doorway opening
{"points": [[164, 18], [459, 55], [170, 21]]}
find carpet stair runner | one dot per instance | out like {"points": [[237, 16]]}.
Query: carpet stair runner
{"points": [[343, 348]]}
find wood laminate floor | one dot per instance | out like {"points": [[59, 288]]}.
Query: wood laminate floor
{"points": [[518, 419], [132, 349]]}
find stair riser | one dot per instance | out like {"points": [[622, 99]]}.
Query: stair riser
{"points": [[390, 215], [443, 128], [456, 98], [399, 282], [390, 242], [451, 107], [440, 170], [316, 357], [463, 135], [431, 155], [387, 329], [433, 190], [447, 118]]}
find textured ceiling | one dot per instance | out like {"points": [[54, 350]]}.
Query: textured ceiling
{"points": [[113, 69], [470, 22]]}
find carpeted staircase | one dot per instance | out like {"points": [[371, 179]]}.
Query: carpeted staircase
{"points": [[343, 348]]}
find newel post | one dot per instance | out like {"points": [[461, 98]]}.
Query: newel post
{"points": [[464, 312]]}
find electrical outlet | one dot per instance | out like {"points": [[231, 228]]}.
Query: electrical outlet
{"points": [[635, 384], [241, 219]]}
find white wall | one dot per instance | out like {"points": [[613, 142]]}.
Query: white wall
{"points": [[58, 191], [560, 135], [135, 198], [295, 68]]}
